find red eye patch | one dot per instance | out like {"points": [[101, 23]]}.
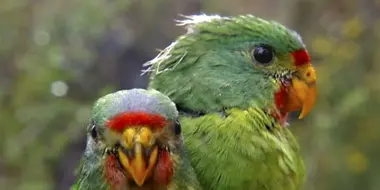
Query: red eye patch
{"points": [[128, 119]]}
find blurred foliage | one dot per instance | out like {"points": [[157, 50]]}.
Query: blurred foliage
{"points": [[46, 46], [57, 57]]}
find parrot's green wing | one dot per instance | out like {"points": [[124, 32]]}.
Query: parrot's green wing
{"points": [[135, 114]]}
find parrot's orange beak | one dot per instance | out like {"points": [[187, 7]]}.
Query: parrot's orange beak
{"points": [[138, 153], [303, 91]]}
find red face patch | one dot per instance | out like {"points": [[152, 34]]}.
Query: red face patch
{"points": [[164, 169], [280, 101], [130, 119], [113, 174], [280, 98], [301, 57]]}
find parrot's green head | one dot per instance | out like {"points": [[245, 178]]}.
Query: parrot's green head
{"points": [[242, 61], [134, 135]]}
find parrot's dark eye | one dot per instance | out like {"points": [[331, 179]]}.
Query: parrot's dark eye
{"points": [[177, 128], [94, 131], [263, 54]]}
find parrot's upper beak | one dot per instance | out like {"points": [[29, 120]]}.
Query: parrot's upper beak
{"points": [[138, 153], [303, 92]]}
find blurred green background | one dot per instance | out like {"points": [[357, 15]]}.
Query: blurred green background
{"points": [[58, 56]]}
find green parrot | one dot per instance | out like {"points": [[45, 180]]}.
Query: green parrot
{"points": [[234, 80], [134, 142]]}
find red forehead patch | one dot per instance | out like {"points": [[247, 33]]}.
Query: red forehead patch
{"points": [[301, 57], [130, 119]]}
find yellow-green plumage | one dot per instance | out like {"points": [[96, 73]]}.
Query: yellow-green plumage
{"points": [[247, 149], [225, 100]]}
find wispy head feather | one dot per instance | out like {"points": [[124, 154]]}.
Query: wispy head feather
{"points": [[205, 32]]}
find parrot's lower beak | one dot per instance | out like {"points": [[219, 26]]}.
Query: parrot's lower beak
{"points": [[303, 91], [138, 153]]}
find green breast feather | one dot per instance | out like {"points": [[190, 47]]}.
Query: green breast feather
{"points": [[246, 149]]}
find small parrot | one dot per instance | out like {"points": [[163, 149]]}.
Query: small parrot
{"points": [[234, 80], [134, 142]]}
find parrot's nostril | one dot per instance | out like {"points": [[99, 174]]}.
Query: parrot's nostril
{"points": [[147, 152], [128, 152], [145, 137], [307, 73]]}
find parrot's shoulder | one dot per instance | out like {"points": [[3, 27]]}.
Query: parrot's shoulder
{"points": [[90, 176], [185, 177]]}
